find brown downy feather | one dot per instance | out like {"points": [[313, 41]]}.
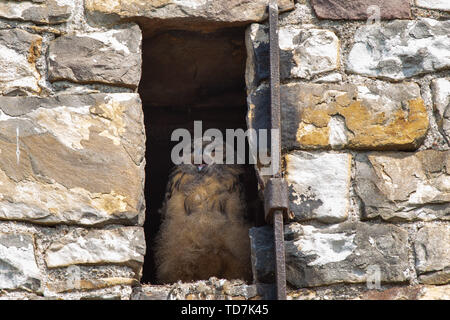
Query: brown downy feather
{"points": [[204, 232]]}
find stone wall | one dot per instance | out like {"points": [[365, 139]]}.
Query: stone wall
{"points": [[72, 147], [366, 133]]}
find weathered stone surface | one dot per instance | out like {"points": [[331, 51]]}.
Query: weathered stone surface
{"points": [[73, 159], [347, 253], [231, 11], [404, 186], [432, 248], [409, 293], [436, 293], [151, 293], [395, 293], [303, 52], [212, 289], [20, 295], [361, 9], [125, 245], [112, 57], [262, 253], [401, 49], [437, 277], [89, 284], [372, 116], [330, 78], [319, 185], [441, 95], [45, 12], [434, 4], [361, 292], [356, 292], [18, 53], [18, 267]]}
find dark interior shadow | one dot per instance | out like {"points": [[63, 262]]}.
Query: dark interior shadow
{"points": [[188, 76]]}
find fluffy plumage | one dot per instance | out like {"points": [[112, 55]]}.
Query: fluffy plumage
{"points": [[204, 232]]}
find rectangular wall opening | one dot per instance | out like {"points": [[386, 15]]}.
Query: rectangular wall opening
{"points": [[188, 76]]}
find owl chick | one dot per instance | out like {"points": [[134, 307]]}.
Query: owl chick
{"points": [[204, 231]]}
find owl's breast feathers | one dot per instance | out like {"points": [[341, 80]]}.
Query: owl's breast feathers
{"points": [[209, 191], [204, 231]]}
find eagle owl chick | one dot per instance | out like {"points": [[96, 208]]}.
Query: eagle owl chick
{"points": [[204, 232]]}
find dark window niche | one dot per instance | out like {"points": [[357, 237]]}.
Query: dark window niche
{"points": [[187, 76]]}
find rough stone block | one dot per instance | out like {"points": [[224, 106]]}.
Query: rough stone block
{"points": [[19, 51], [436, 277], [347, 253], [18, 268], [72, 159], [319, 185], [361, 9], [408, 293], [125, 246], [432, 248], [231, 11], [434, 4], [212, 289], [40, 12], [404, 186], [400, 49], [436, 293], [400, 292], [441, 96], [371, 116], [304, 53], [263, 255], [111, 57], [89, 284]]}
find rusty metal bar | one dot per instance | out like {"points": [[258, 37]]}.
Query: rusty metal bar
{"points": [[280, 263], [277, 212], [275, 74], [276, 198]]}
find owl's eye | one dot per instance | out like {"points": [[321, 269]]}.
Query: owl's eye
{"points": [[201, 166]]}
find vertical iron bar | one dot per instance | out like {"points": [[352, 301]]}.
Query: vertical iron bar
{"points": [[280, 263], [275, 74], [278, 227]]}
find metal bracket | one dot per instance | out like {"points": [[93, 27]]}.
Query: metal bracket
{"points": [[276, 198]]}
